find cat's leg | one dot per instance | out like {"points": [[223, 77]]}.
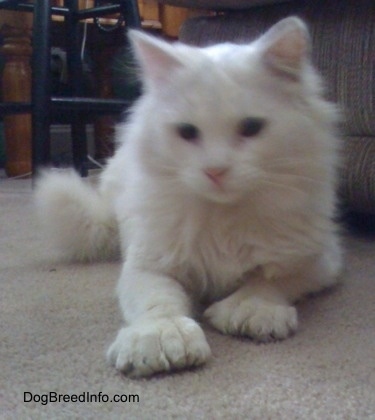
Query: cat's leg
{"points": [[160, 334], [261, 308]]}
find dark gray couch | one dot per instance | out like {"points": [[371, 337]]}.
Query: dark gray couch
{"points": [[343, 49]]}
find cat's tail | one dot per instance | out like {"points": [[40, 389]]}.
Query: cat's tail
{"points": [[77, 219]]}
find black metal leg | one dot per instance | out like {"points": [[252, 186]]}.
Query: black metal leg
{"points": [[41, 84], [79, 146], [75, 71], [131, 13]]}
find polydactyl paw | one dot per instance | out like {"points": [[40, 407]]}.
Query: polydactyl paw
{"points": [[156, 345]]}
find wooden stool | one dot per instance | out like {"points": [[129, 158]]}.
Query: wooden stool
{"points": [[43, 106]]}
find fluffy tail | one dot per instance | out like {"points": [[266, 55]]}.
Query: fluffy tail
{"points": [[78, 221]]}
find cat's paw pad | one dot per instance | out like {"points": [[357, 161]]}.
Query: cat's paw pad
{"points": [[152, 346], [255, 318]]}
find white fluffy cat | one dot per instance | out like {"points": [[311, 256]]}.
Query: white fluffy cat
{"points": [[221, 192]]}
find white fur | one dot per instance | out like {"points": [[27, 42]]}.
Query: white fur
{"points": [[250, 244], [77, 221]]}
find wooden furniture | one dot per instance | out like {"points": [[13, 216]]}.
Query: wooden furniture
{"points": [[42, 106], [15, 30], [167, 17]]}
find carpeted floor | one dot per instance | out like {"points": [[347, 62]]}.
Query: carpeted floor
{"points": [[57, 320]]}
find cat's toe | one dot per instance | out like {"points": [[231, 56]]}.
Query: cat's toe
{"points": [[136, 354], [270, 322], [219, 316], [158, 346]]}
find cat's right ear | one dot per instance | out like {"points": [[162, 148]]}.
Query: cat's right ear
{"points": [[157, 58]]}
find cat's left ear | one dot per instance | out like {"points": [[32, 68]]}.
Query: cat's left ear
{"points": [[157, 58], [286, 47]]}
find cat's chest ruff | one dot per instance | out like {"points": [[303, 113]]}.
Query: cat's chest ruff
{"points": [[211, 251]]}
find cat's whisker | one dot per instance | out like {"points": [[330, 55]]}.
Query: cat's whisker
{"points": [[296, 177], [274, 184], [290, 163]]}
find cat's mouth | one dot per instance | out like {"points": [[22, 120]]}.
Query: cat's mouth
{"points": [[217, 176], [219, 191], [217, 186]]}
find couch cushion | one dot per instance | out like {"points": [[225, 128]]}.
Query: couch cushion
{"points": [[357, 186], [343, 34], [219, 4]]}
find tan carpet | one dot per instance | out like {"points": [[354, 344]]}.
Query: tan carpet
{"points": [[57, 320]]}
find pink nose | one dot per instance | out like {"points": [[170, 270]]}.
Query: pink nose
{"points": [[216, 174]]}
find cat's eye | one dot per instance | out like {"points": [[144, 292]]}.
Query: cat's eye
{"points": [[250, 126], [188, 132]]}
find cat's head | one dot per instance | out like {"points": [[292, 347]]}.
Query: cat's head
{"points": [[226, 120]]}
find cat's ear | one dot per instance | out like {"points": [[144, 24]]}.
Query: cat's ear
{"points": [[157, 58], [286, 47]]}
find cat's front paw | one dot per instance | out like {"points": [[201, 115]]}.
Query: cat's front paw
{"points": [[253, 317], [152, 346]]}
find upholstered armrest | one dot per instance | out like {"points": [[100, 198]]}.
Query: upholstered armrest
{"points": [[219, 4]]}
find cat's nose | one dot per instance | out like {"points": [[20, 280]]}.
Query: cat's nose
{"points": [[216, 174]]}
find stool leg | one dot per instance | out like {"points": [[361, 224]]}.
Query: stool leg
{"points": [[41, 84], [75, 74], [131, 13]]}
